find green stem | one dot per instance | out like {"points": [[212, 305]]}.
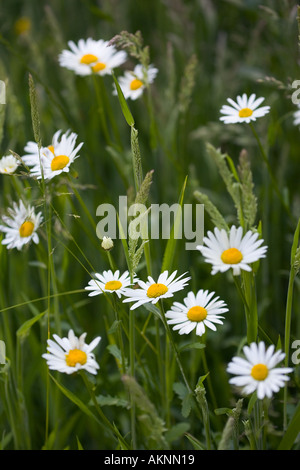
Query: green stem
{"points": [[174, 346], [267, 163], [110, 112], [101, 109], [250, 297], [104, 419], [119, 333], [132, 372], [288, 318], [160, 363]]}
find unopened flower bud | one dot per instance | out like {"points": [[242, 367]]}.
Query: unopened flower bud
{"points": [[107, 243]]}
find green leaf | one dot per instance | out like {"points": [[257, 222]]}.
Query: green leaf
{"points": [[24, 329], [124, 106], [251, 403], [79, 444], [180, 389], [223, 411], [202, 378], [232, 167], [195, 442], [114, 327], [176, 431], [295, 243], [76, 400], [186, 398], [111, 401], [168, 257], [192, 346], [153, 309], [292, 431], [187, 405]]}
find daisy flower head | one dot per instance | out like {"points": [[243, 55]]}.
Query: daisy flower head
{"points": [[8, 164], [71, 354], [257, 371], [243, 110], [232, 250], [133, 82], [109, 282], [91, 57], [20, 226], [54, 159], [197, 312], [151, 291]]}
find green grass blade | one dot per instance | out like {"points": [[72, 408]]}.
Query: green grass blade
{"points": [[124, 106], [292, 431], [168, 257]]}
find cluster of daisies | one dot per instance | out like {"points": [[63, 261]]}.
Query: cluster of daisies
{"points": [[21, 223], [257, 371], [89, 57]]}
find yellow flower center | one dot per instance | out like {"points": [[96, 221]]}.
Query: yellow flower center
{"points": [[136, 84], [197, 313], [88, 59], [22, 25], [156, 290], [98, 67], [259, 372], [59, 162], [76, 356], [26, 229], [113, 285], [231, 256], [51, 148], [245, 112]]}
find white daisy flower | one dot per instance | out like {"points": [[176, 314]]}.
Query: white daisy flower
{"points": [[197, 312], [90, 56], [133, 82], [244, 110], [8, 164], [20, 226], [152, 291], [296, 116], [258, 371], [71, 354], [109, 282], [54, 159], [224, 251]]}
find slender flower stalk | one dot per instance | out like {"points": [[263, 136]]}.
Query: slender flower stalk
{"points": [[103, 418], [270, 171]]}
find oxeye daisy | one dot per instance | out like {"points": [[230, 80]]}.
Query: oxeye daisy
{"points": [[151, 291], [257, 372], [243, 110], [20, 226], [133, 82], [71, 354], [109, 282], [54, 159], [198, 312], [232, 250], [90, 56], [8, 164]]}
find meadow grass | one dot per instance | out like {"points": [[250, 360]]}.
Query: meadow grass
{"points": [[155, 389]]}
